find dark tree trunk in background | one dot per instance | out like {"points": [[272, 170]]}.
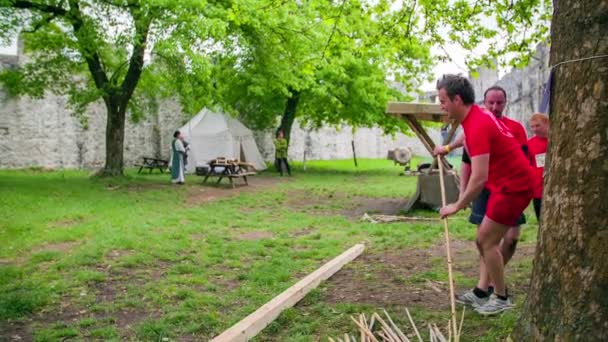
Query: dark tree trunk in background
{"points": [[289, 115], [115, 137], [568, 297]]}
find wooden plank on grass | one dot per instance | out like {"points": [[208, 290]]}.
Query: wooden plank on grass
{"points": [[255, 322]]}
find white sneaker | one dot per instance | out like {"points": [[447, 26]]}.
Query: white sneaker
{"points": [[494, 305], [469, 298]]}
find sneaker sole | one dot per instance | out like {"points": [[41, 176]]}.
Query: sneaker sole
{"points": [[462, 302], [484, 313]]}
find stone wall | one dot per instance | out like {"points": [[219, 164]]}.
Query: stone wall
{"points": [[336, 143], [42, 132]]}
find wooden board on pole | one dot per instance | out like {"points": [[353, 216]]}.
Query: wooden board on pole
{"points": [[415, 108], [255, 322]]}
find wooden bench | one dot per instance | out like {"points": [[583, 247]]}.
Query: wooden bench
{"points": [[239, 175], [231, 169], [153, 163]]}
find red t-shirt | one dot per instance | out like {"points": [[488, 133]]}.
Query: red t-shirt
{"points": [[518, 130], [509, 168], [537, 148]]}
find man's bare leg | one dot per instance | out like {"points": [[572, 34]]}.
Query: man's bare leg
{"points": [[489, 236], [507, 249], [509, 243]]}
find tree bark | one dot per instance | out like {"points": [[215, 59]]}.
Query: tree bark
{"points": [[289, 115], [568, 297]]}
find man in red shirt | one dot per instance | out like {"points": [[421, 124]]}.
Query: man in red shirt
{"points": [[495, 100], [497, 162], [537, 148]]}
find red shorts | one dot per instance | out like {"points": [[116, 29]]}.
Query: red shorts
{"points": [[506, 208]]}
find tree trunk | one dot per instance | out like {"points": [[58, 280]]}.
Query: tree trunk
{"points": [[115, 137], [289, 115], [568, 297]]}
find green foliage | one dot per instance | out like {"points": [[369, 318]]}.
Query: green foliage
{"points": [[336, 56], [91, 50], [510, 30]]}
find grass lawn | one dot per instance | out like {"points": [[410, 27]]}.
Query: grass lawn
{"points": [[140, 259]]}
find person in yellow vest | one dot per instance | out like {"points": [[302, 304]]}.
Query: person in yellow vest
{"points": [[280, 145]]}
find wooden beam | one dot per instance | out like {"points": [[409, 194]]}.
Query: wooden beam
{"points": [[420, 132], [414, 108], [425, 138], [255, 322]]}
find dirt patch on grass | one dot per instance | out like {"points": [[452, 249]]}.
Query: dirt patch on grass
{"points": [[62, 247], [204, 193], [255, 235], [316, 204], [114, 289], [116, 254], [383, 206], [67, 222], [336, 203], [383, 280], [303, 232], [409, 277]]}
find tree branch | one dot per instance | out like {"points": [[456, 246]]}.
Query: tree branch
{"points": [[55, 10], [136, 62], [333, 30], [88, 51]]}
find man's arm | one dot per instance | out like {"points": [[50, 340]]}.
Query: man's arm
{"points": [[457, 143], [465, 174], [479, 175]]}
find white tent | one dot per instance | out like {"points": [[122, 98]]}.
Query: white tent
{"points": [[213, 135]]}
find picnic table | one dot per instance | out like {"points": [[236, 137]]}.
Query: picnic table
{"points": [[153, 163], [229, 168]]}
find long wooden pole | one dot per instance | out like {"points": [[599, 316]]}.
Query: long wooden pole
{"points": [[449, 254], [258, 320]]}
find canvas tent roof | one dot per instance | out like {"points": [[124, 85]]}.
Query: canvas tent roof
{"points": [[213, 134]]}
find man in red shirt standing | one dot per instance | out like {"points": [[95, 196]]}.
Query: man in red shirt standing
{"points": [[494, 100], [497, 162], [537, 148]]}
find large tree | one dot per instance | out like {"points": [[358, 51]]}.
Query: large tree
{"points": [[568, 297], [120, 51], [327, 61]]}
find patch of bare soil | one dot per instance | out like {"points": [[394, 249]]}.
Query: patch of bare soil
{"points": [[383, 206], [110, 290], [62, 247], [208, 192], [396, 277], [255, 235], [355, 206], [381, 280], [303, 232], [116, 254], [67, 223]]}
